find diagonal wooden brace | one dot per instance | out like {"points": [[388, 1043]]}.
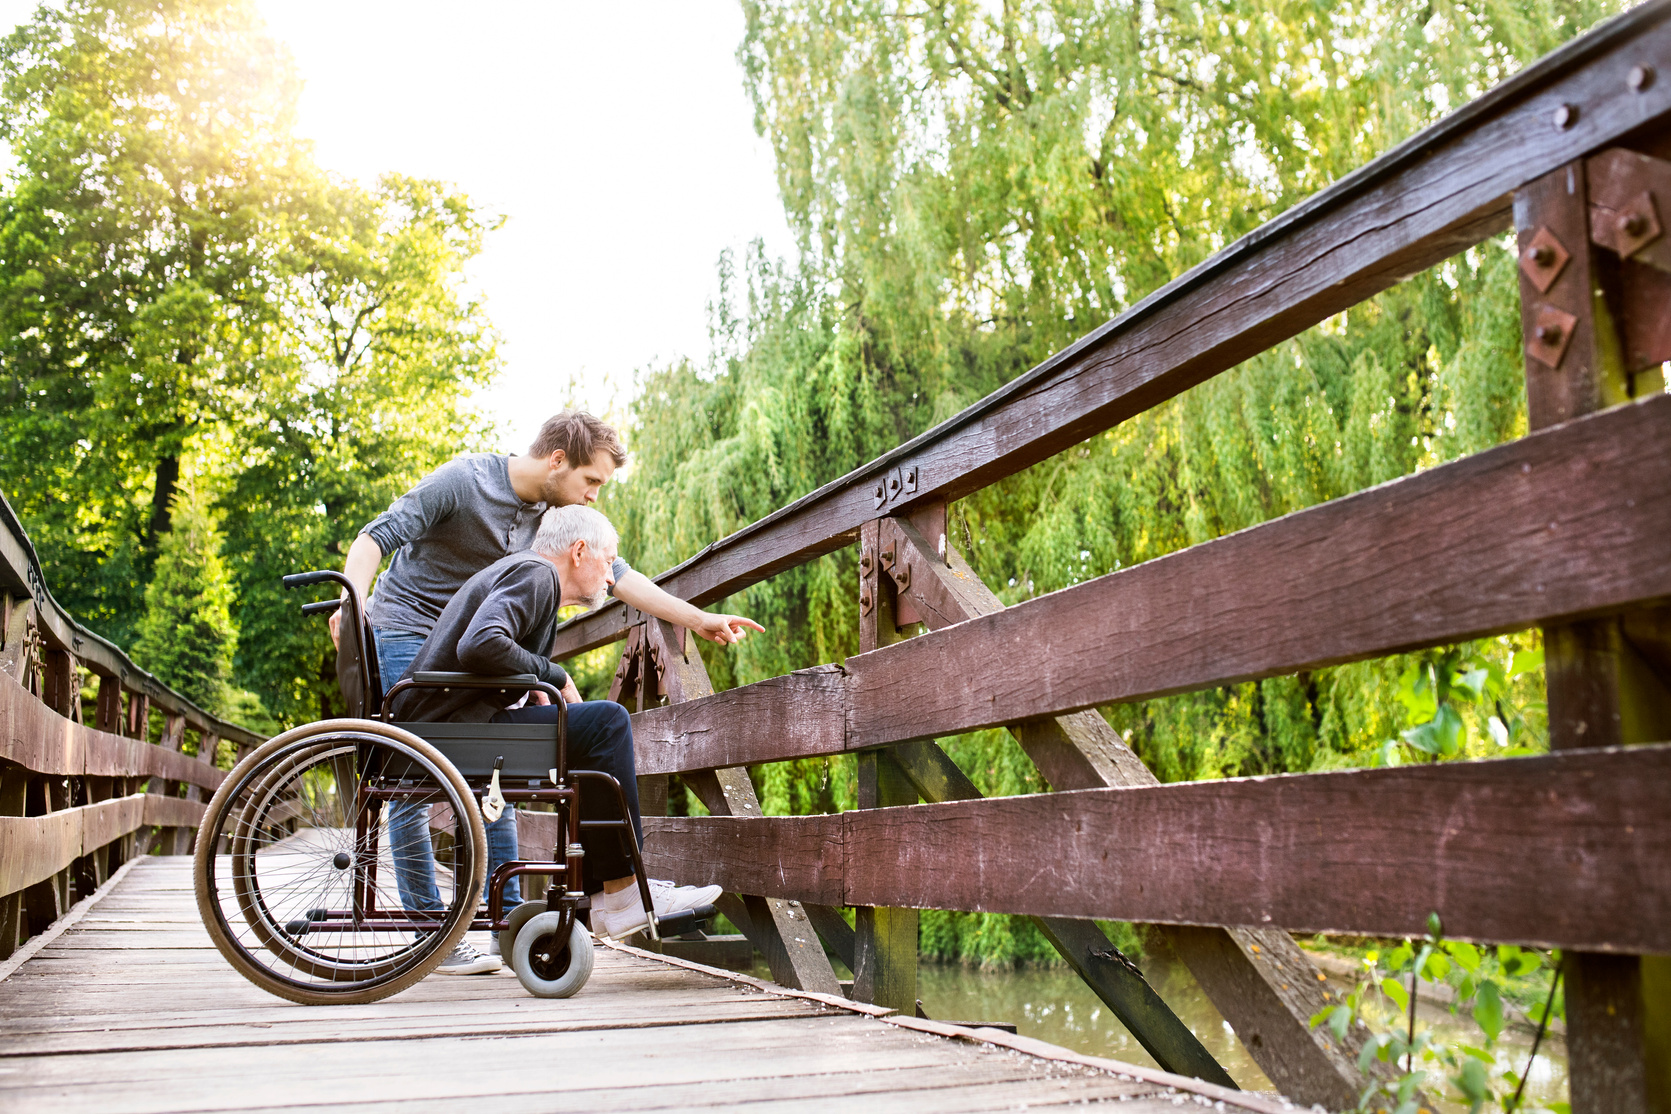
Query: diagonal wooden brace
{"points": [[780, 929], [1259, 979]]}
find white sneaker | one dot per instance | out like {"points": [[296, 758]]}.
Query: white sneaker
{"points": [[616, 921], [466, 960]]}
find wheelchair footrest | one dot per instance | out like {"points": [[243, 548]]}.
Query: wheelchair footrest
{"points": [[684, 921]]}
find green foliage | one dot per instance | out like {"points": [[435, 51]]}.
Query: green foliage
{"points": [[975, 186], [185, 293], [185, 636], [1481, 981]]}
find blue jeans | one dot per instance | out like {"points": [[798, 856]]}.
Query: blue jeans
{"points": [[409, 842]]}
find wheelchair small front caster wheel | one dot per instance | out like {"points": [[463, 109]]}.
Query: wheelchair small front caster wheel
{"points": [[519, 917], [548, 966]]}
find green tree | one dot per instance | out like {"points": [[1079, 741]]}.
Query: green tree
{"points": [[186, 636], [185, 292]]}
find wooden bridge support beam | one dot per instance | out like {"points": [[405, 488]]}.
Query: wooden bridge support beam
{"points": [[1258, 978], [1595, 279], [669, 664]]}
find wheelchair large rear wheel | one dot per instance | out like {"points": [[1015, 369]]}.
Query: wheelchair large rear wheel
{"points": [[295, 866]]}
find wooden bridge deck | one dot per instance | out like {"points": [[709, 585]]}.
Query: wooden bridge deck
{"points": [[130, 1008]]}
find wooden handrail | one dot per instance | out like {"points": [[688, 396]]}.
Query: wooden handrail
{"points": [[1445, 189], [21, 576], [1567, 522], [77, 800]]}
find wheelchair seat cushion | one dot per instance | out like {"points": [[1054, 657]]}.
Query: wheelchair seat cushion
{"points": [[529, 749]]}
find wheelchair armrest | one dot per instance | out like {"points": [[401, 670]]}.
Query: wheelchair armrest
{"points": [[431, 678]]}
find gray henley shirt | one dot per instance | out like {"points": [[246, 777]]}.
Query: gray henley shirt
{"points": [[458, 520]]}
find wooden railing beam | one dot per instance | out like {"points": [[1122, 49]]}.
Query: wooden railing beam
{"points": [[1310, 852]]}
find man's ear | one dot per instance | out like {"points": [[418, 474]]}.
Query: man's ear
{"points": [[577, 549], [558, 459]]}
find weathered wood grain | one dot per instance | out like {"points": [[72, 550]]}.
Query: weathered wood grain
{"points": [[1563, 523], [802, 713], [798, 858], [173, 812], [40, 740], [1362, 851], [34, 848], [1436, 194], [95, 1023]]}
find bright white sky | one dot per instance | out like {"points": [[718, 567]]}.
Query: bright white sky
{"points": [[617, 138]]}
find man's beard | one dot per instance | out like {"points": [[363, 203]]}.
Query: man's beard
{"points": [[596, 599]]}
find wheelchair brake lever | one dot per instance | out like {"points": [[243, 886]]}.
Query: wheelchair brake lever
{"points": [[493, 801]]}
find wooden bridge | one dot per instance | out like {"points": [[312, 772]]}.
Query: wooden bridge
{"points": [[1567, 529]]}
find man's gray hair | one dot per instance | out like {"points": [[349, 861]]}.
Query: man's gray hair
{"points": [[561, 527]]}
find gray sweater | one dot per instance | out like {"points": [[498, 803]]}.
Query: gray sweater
{"points": [[458, 520], [501, 622]]}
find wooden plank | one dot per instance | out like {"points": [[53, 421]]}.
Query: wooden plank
{"points": [[173, 812], [34, 848], [797, 857], [803, 712], [1564, 522], [44, 742], [1441, 191], [1310, 852]]}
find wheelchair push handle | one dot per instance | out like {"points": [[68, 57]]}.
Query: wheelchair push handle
{"points": [[318, 576], [321, 607]]}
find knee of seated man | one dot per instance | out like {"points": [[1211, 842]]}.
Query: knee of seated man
{"points": [[602, 716]]}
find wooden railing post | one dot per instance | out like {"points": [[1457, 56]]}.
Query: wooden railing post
{"points": [[885, 940], [669, 664], [1258, 978], [1589, 247]]}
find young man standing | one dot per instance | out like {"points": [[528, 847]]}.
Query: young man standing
{"points": [[458, 520]]}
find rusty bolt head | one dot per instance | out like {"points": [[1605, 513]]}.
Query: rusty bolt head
{"points": [[893, 484], [867, 561], [1549, 334], [1640, 77], [879, 494], [1566, 115], [1541, 254], [864, 601], [1633, 224]]}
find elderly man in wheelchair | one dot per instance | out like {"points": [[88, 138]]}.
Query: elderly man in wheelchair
{"points": [[298, 857]]}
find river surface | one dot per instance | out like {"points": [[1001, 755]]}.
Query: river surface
{"points": [[1052, 1004]]}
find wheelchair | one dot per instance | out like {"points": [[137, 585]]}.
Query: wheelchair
{"points": [[297, 856]]}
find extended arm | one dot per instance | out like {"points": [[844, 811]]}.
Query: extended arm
{"points": [[641, 592]]}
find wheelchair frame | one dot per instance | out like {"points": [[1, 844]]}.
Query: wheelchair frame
{"points": [[376, 788]]}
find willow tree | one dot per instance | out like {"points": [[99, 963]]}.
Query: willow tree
{"points": [[184, 292], [975, 185]]}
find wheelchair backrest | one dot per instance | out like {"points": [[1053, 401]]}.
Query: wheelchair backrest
{"points": [[357, 673]]}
